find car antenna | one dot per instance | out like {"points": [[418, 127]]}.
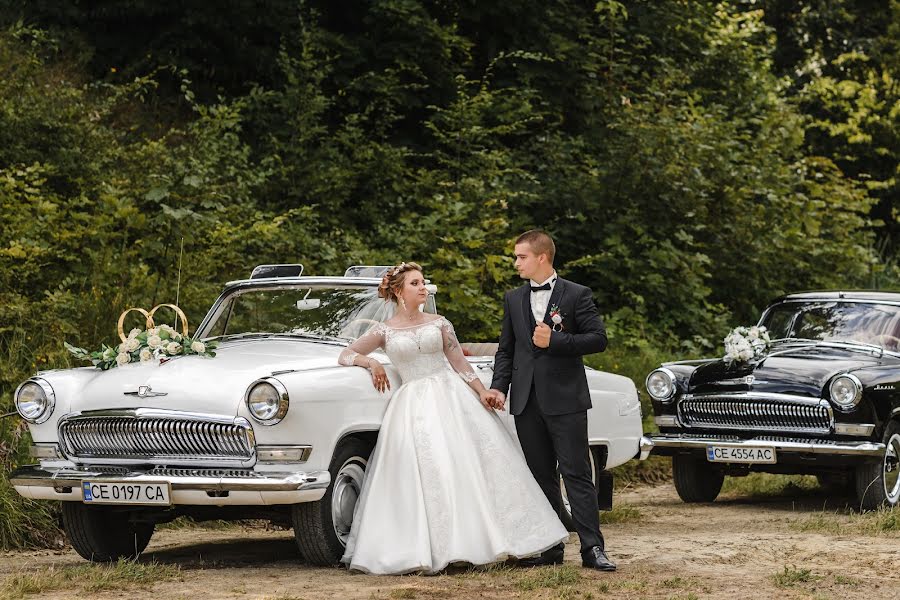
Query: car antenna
{"points": [[178, 283]]}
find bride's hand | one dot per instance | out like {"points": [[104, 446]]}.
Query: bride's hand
{"points": [[487, 399], [379, 376]]}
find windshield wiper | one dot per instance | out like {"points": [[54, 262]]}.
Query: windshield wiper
{"points": [[258, 334], [314, 336], [848, 344]]}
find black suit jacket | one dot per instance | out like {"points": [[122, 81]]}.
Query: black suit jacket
{"points": [[557, 372]]}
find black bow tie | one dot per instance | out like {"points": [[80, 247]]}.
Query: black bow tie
{"points": [[539, 288]]}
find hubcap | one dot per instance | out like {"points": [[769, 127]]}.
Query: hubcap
{"points": [[344, 495], [891, 474]]}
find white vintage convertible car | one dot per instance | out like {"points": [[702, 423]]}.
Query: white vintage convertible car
{"points": [[270, 428]]}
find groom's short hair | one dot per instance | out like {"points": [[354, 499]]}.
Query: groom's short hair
{"points": [[540, 242]]}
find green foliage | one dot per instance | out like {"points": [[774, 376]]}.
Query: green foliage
{"points": [[692, 159]]}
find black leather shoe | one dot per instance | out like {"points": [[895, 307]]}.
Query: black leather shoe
{"points": [[595, 558], [553, 556]]}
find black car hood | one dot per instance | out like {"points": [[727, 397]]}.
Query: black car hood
{"points": [[803, 371]]}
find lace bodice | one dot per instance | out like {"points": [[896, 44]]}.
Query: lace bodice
{"points": [[418, 351]]}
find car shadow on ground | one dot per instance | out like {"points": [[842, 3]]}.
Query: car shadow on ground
{"points": [[795, 500], [250, 549]]}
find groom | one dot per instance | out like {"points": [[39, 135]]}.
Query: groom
{"points": [[548, 325]]}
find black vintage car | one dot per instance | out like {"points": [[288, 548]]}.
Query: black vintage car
{"points": [[824, 400]]}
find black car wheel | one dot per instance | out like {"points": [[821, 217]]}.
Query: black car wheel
{"points": [[321, 528], [104, 534], [696, 480], [878, 484]]}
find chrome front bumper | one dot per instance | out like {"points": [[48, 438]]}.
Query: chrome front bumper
{"points": [[218, 487], [798, 445]]}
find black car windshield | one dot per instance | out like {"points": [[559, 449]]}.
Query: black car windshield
{"points": [[320, 311], [866, 323]]}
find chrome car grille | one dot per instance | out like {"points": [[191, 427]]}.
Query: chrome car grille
{"points": [[756, 412], [152, 435]]}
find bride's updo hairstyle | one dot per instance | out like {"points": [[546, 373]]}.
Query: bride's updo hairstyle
{"points": [[393, 280]]}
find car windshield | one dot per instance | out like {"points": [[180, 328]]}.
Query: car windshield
{"points": [[319, 311], [861, 322]]}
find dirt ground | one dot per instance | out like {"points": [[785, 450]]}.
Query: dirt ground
{"points": [[738, 547]]}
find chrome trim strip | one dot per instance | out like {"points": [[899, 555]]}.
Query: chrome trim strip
{"points": [[34, 476], [786, 445]]}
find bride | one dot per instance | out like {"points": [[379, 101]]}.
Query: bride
{"points": [[446, 482]]}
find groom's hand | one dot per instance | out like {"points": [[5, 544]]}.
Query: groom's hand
{"points": [[541, 337]]}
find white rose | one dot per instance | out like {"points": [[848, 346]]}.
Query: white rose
{"points": [[154, 341], [146, 355], [123, 347], [133, 333], [123, 359], [746, 354], [754, 333], [198, 347], [177, 337], [153, 331], [173, 348], [132, 344]]}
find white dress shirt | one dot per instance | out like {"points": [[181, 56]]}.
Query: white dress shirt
{"points": [[539, 300]]}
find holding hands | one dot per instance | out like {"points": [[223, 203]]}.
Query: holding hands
{"points": [[492, 399]]}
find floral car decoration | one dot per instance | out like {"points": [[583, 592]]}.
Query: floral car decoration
{"points": [[746, 343], [272, 428], [821, 397], [142, 345]]}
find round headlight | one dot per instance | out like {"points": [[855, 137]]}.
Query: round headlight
{"points": [[846, 391], [35, 400], [267, 400], [661, 384]]}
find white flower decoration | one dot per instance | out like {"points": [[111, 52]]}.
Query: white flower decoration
{"points": [[146, 355], [198, 347], [154, 341], [173, 348], [122, 359]]}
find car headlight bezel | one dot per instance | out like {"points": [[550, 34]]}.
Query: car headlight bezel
{"points": [[277, 407], [48, 404], [663, 394], [851, 394]]}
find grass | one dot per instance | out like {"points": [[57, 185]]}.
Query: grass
{"points": [[620, 513], [549, 577], [791, 576], [884, 521], [124, 574], [769, 485]]}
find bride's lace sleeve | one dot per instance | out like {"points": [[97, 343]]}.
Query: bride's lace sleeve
{"points": [[454, 353], [368, 342]]}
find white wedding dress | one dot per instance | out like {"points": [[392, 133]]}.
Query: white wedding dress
{"points": [[446, 483]]}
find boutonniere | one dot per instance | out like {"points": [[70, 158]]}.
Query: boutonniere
{"points": [[556, 317]]}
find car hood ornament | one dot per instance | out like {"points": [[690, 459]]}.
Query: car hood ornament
{"points": [[145, 391]]}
